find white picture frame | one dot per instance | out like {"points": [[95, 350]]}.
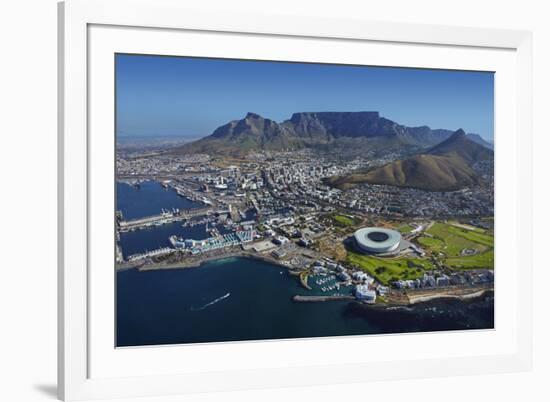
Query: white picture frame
{"points": [[78, 346]]}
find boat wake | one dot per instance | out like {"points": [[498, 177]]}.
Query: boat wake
{"points": [[225, 296]]}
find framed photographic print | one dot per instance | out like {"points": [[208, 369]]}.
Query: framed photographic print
{"points": [[299, 201], [351, 213]]}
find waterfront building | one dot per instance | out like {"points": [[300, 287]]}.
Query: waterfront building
{"points": [[344, 276], [363, 277], [363, 292], [382, 290], [443, 281], [317, 270], [148, 254], [214, 243], [428, 280]]}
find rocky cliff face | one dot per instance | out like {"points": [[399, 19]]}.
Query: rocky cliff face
{"points": [[314, 129], [341, 124], [252, 125]]}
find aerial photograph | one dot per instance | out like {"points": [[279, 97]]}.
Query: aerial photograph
{"points": [[261, 200]]}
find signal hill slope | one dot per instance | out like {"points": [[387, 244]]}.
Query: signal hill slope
{"points": [[445, 167]]}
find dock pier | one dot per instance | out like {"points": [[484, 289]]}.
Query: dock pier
{"points": [[162, 219]]}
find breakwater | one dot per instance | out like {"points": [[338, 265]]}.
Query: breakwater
{"points": [[302, 298]]}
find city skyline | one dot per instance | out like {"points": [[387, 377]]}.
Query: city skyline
{"points": [[191, 97]]}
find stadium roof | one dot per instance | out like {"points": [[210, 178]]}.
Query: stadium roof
{"points": [[377, 240]]}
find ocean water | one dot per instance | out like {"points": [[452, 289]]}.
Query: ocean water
{"points": [[246, 299], [148, 199]]}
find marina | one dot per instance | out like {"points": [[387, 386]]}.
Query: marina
{"points": [[163, 218], [213, 243]]}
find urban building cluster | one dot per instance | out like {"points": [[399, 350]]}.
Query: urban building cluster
{"points": [[281, 208]]}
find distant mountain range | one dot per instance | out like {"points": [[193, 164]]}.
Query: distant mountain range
{"points": [[362, 131], [446, 166]]}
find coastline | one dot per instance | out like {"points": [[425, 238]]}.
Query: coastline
{"points": [[408, 299], [198, 262], [461, 295]]}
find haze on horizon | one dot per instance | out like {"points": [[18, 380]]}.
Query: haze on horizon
{"points": [[190, 97]]}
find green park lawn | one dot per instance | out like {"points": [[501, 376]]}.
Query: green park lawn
{"points": [[431, 243], [451, 240], [344, 220], [386, 270], [403, 229], [481, 260]]}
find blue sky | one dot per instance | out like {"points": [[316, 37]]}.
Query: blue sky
{"points": [[190, 97]]}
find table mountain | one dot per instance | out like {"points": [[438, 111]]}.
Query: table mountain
{"points": [[361, 130]]}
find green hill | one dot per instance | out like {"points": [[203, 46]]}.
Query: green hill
{"points": [[445, 167]]}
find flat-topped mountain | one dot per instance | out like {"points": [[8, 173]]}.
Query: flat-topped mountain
{"points": [[445, 167], [344, 124], [361, 130]]}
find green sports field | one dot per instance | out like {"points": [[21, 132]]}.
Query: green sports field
{"points": [[450, 240], [344, 220]]}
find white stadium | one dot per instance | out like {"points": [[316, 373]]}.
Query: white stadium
{"points": [[377, 240]]}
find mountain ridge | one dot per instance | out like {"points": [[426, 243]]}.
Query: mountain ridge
{"points": [[363, 129]]}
